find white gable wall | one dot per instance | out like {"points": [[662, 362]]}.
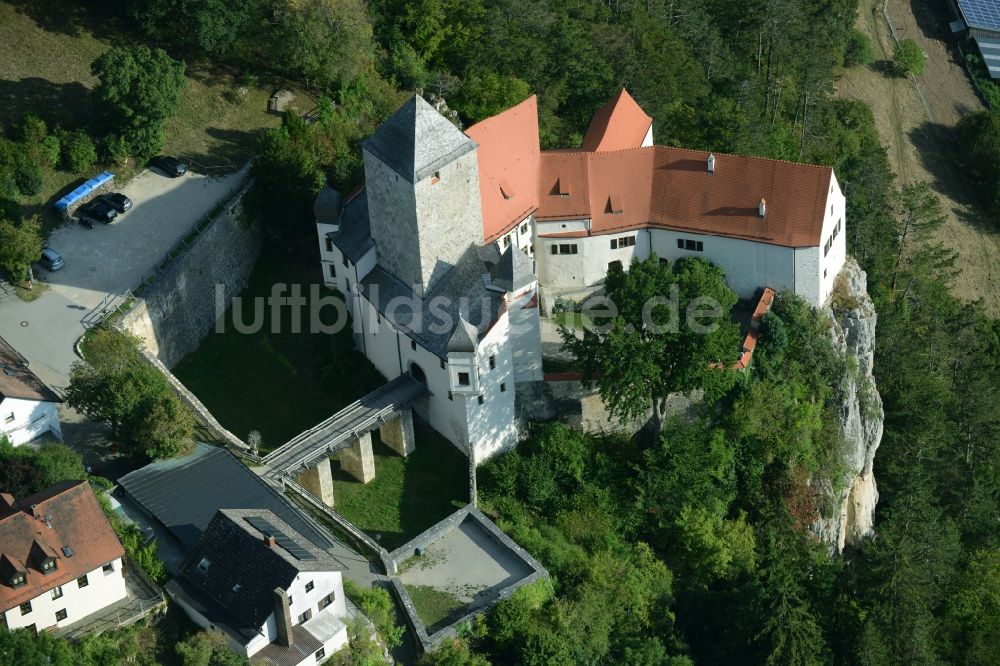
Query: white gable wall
{"points": [[103, 589], [492, 426], [24, 420]]}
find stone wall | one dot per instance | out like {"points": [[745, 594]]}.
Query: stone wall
{"points": [[571, 402], [176, 311]]}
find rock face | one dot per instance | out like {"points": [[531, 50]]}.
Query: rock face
{"points": [[851, 499]]}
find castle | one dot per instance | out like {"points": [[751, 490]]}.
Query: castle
{"points": [[458, 238]]}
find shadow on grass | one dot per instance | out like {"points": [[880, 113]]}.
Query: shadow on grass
{"points": [[65, 104], [408, 495]]}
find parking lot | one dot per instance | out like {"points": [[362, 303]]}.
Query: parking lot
{"points": [[108, 259]]}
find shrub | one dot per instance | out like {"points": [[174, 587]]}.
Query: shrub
{"points": [[49, 150], [909, 58], [78, 151], [28, 177], [858, 50], [33, 130]]}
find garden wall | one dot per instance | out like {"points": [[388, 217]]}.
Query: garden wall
{"points": [[178, 308]]}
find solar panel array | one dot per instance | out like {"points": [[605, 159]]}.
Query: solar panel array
{"points": [[981, 13], [282, 539]]}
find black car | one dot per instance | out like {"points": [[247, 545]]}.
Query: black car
{"points": [[117, 200], [171, 166], [97, 210]]}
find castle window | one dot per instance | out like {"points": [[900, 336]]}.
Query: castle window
{"points": [[333, 270], [506, 241], [692, 245], [320, 653], [442, 364], [436, 178], [565, 248], [346, 262], [450, 395], [61, 615], [305, 617], [9, 418], [326, 601], [479, 398], [524, 228], [82, 581], [310, 586], [503, 388], [56, 592], [493, 362], [618, 243], [329, 244], [25, 608], [108, 568], [413, 345], [463, 379]]}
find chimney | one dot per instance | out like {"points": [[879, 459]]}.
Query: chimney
{"points": [[762, 207], [283, 617], [711, 163]]}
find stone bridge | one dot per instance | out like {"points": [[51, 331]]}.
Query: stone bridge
{"points": [[348, 432]]}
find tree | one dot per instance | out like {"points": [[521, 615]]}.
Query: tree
{"points": [[138, 89], [326, 41], [115, 386], [78, 152], [485, 95], [208, 648], [22, 648], [858, 50], [979, 133], [908, 58], [20, 246], [667, 327], [453, 652]]}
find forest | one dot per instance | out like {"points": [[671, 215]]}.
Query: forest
{"points": [[692, 547]]}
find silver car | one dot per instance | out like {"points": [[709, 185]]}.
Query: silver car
{"points": [[52, 260]]}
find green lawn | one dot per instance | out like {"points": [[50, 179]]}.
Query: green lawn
{"points": [[433, 606], [408, 494], [279, 383]]}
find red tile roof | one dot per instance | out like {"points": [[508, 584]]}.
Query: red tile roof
{"points": [[671, 188], [508, 166], [76, 520], [618, 125]]}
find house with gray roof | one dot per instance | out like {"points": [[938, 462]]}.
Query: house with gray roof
{"points": [[276, 596]]}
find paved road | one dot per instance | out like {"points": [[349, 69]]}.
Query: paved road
{"points": [[106, 259]]}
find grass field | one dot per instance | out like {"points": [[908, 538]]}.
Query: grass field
{"points": [[433, 606], [277, 382], [408, 494], [48, 73]]}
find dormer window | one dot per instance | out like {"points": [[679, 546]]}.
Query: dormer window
{"points": [[506, 190], [18, 579], [436, 178], [463, 379], [48, 565], [204, 564]]}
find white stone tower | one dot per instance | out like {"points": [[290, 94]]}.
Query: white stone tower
{"points": [[422, 185]]}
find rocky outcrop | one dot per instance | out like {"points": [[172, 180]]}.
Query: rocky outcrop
{"points": [[848, 500]]}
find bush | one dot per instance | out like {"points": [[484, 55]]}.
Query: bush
{"points": [[858, 50], [49, 150], [78, 152], [909, 58], [28, 177]]}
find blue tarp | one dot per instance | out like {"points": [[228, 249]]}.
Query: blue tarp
{"points": [[84, 190]]}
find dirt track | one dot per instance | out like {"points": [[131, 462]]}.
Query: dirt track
{"points": [[916, 124]]}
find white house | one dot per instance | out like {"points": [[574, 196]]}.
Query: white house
{"points": [[60, 560], [27, 405], [277, 597], [457, 238]]}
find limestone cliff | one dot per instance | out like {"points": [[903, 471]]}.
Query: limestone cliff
{"points": [[849, 500]]}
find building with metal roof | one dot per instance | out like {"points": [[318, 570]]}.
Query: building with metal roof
{"points": [[979, 20]]}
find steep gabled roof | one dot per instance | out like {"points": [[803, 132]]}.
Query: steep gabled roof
{"points": [[417, 140], [77, 534], [17, 381], [619, 124], [671, 188], [508, 166], [235, 567]]}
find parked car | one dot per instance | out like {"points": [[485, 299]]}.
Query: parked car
{"points": [[51, 259], [117, 200], [98, 210], [171, 166]]}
